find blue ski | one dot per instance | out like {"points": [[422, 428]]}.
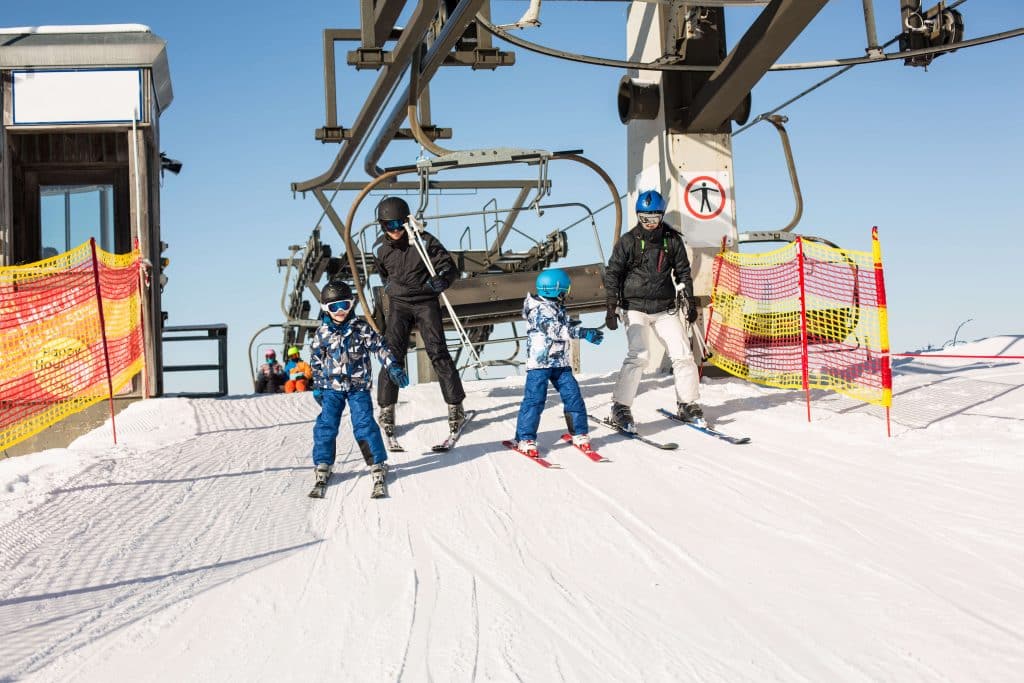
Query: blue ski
{"points": [[634, 435], [710, 431]]}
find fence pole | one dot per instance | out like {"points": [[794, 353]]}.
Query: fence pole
{"points": [[883, 327], [103, 332], [803, 325], [142, 320]]}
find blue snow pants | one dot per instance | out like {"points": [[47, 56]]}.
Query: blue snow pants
{"points": [[364, 427], [537, 391]]}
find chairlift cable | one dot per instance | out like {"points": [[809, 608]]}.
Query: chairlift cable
{"points": [[797, 66], [763, 116]]}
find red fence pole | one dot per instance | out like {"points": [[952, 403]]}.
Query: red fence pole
{"points": [[103, 331], [803, 325]]}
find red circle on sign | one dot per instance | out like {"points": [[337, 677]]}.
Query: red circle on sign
{"points": [[689, 207]]}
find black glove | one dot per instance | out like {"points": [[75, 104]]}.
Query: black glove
{"points": [[611, 318], [437, 284], [691, 309]]}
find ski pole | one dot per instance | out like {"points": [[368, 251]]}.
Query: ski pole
{"points": [[414, 232], [701, 344]]}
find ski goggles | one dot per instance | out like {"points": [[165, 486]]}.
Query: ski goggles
{"points": [[649, 219], [340, 306], [393, 225]]}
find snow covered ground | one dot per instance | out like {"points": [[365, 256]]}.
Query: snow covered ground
{"points": [[824, 551]]}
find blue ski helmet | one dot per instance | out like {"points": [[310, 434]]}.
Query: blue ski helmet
{"points": [[650, 201], [552, 283]]}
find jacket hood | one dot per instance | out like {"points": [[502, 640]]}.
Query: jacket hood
{"points": [[533, 302]]}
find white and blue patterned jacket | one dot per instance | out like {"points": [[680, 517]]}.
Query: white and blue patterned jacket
{"points": [[340, 354], [548, 333]]}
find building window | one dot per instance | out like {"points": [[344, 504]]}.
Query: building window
{"points": [[71, 214]]}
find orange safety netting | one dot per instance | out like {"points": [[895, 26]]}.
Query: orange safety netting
{"points": [[806, 316], [58, 352]]}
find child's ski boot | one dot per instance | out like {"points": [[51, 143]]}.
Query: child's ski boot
{"points": [[379, 473]]}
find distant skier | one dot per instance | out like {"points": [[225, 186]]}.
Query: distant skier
{"points": [[413, 294], [639, 284], [270, 377], [298, 371], [548, 334], [340, 360]]}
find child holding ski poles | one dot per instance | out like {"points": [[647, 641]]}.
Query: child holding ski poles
{"points": [[549, 333], [340, 361]]}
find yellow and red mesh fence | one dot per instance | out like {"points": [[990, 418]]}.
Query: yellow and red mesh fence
{"points": [[805, 316], [54, 349]]}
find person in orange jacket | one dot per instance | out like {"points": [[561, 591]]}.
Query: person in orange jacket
{"points": [[298, 371]]}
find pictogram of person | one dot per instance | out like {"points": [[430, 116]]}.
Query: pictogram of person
{"points": [[704, 189]]}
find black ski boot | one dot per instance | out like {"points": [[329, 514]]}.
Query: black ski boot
{"points": [[622, 417], [690, 412], [456, 417], [387, 420]]}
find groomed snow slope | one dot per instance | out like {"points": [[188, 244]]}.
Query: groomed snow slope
{"points": [[824, 551]]}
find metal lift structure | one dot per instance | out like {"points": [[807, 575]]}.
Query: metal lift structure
{"points": [[680, 95]]}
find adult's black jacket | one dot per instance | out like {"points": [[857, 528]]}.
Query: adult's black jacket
{"points": [[640, 270], [404, 273]]}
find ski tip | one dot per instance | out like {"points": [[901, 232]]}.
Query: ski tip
{"points": [[668, 446], [440, 449]]}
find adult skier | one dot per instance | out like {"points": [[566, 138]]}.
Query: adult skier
{"points": [[270, 378], [647, 281], [340, 361], [413, 298]]}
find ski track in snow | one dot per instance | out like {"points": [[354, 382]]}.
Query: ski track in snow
{"points": [[822, 551]]}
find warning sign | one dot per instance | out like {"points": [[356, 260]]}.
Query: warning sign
{"points": [[705, 198], [705, 204]]}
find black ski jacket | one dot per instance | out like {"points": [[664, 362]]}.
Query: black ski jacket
{"points": [[639, 273], [404, 274]]}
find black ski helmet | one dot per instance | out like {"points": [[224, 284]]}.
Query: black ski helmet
{"points": [[335, 290], [392, 209]]}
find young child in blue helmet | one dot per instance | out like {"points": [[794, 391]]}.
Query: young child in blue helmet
{"points": [[548, 335], [340, 361]]}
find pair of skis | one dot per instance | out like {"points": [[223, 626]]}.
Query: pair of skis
{"points": [[547, 464]]}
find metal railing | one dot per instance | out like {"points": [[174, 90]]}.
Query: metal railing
{"points": [[217, 332]]}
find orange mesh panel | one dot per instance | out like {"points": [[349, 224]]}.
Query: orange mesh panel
{"points": [[52, 361]]}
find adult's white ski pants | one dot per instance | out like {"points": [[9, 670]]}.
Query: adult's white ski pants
{"points": [[670, 332]]}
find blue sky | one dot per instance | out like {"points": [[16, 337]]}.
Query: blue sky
{"points": [[931, 157]]}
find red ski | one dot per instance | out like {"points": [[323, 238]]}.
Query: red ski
{"points": [[539, 460], [589, 452]]}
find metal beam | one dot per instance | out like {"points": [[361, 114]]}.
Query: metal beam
{"points": [[459, 18], [411, 40], [772, 32], [376, 20]]}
